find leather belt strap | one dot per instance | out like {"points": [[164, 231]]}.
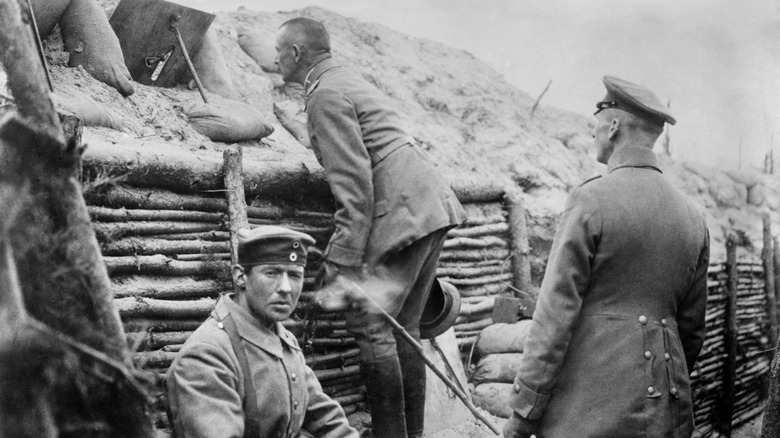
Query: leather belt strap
{"points": [[379, 154], [251, 410]]}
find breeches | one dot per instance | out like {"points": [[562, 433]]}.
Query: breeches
{"points": [[398, 283]]}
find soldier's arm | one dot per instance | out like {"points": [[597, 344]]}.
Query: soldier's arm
{"points": [[203, 399], [334, 123], [557, 310], [324, 418], [692, 310]]}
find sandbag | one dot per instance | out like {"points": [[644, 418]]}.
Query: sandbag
{"points": [[209, 63], [503, 338], [293, 120], [260, 45], [226, 120], [90, 113], [497, 368], [494, 398], [47, 14], [92, 44]]}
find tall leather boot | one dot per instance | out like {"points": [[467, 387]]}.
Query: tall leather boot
{"points": [[413, 371], [385, 393]]}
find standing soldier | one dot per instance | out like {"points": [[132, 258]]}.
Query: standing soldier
{"points": [[620, 316], [393, 210], [241, 373]]}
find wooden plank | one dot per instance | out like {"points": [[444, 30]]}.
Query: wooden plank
{"points": [[143, 29]]}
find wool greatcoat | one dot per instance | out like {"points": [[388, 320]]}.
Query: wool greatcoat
{"points": [[620, 316], [206, 388], [388, 193]]}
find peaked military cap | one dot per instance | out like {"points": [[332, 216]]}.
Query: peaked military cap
{"points": [[272, 244], [635, 99]]}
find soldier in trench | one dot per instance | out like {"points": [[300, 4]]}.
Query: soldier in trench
{"points": [[619, 321], [241, 373], [393, 211]]}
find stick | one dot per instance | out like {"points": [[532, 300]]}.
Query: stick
{"points": [[236, 200], [419, 349], [730, 364], [480, 230], [175, 29], [518, 232], [140, 246], [166, 287], [538, 99], [122, 214]]}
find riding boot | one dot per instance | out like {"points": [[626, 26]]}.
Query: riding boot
{"points": [[385, 393], [413, 370]]}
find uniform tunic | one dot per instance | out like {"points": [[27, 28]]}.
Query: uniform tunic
{"points": [[388, 192], [206, 387], [620, 316]]}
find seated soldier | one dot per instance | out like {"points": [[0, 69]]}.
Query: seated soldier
{"points": [[241, 374]]}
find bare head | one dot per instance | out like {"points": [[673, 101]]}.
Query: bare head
{"points": [[300, 44]]}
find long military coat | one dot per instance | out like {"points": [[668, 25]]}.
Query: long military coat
{"points": [[205, 386], [620, 316], [387, 191]]}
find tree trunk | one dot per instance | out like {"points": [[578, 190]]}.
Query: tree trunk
{"points": [[62, 278]]}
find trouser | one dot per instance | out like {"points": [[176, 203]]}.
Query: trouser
{"points": [[394, 375]]}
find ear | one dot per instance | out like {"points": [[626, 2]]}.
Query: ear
{"points": [[239, 276], [614, 128], [297, 52]]}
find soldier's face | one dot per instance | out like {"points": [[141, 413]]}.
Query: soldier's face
{"points": [[285, 55], [271, 291]]}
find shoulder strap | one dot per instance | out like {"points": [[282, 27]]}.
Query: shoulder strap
{"points": [[251, 410]]}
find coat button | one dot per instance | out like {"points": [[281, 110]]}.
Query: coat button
{"points": [[293, 377], [516, 387], [650, 390], [663, 322], [220, 326], [648, 355], [642, 319], [295, 405], [667, 357], [674, 390]]}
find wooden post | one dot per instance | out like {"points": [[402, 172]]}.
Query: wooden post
{"points": [[518, 233], [776, 266], [767, 255], [770, 425], [730, 339], [236, 200]]}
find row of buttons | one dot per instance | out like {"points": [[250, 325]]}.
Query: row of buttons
{"points": [[643, 320], [649, 355]]}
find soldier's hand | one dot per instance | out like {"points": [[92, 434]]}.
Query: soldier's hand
{"points": [[519, 427]]}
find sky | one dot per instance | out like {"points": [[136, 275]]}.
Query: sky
{"points": [[716, 62]]}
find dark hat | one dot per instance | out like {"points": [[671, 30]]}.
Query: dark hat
{"points": [[636, 99], [440, 310], [271, 244]]}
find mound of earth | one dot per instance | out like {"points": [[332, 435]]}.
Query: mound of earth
{"points": [[472, 122]]}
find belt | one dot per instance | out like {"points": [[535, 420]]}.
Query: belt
{"points": [[379, 154]]}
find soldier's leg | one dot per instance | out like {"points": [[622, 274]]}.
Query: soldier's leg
{"points": [[412, 366]]}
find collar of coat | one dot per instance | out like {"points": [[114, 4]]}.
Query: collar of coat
{"points": [[633, 157], [313, 77], [251, 331]]}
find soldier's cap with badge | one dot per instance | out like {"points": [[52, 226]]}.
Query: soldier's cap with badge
{"points": [[635, 99], [271, 244]]}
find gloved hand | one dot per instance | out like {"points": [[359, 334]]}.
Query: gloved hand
{"points": [[340, 288], [519, 427]]}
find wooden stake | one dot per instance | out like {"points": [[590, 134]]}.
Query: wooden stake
{"points": [[769, 279], [236, 200], [520, 249], [730, 339]]}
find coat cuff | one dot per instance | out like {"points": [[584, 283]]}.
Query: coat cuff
{"points": [[526, 402], [343, 256]]}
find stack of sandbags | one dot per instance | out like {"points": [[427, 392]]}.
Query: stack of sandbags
{"points": [[498, 351], [260, 45], [88, 37]]}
